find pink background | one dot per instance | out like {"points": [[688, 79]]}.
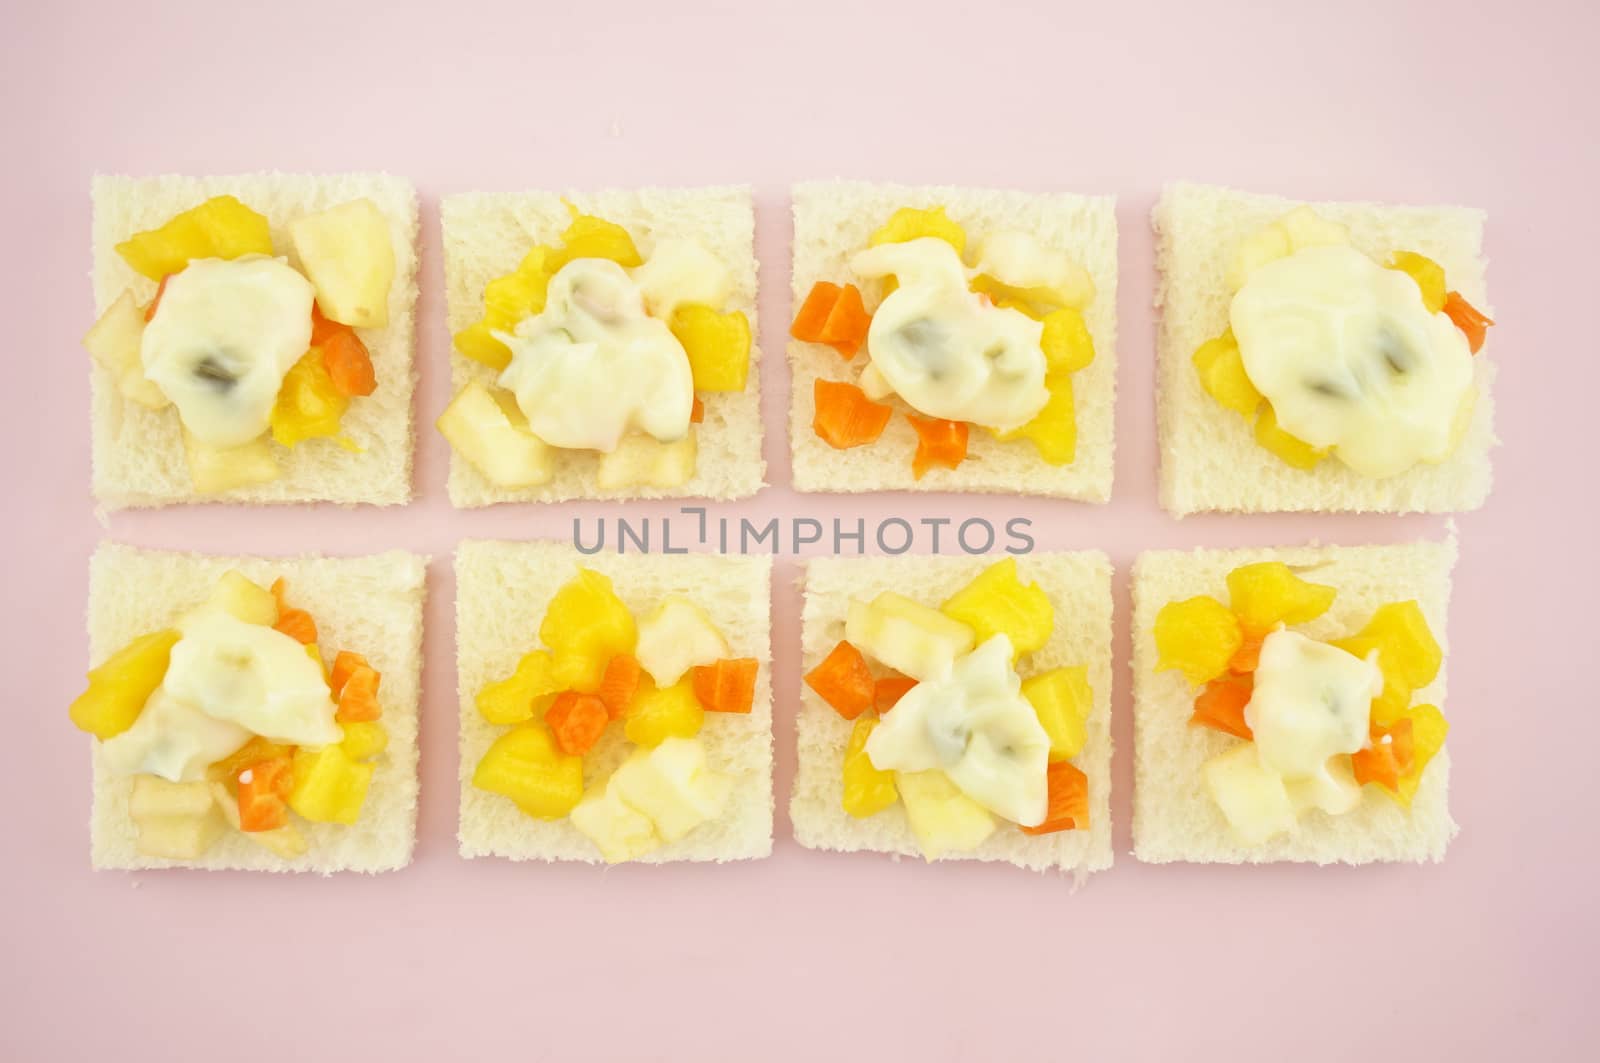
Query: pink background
{"points": [[810, 954]]}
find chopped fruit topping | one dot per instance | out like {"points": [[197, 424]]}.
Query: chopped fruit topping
{"points": [[913, 223], [834, 316], [1428, 274], [944, 819], [347, 253], [867, 791], [358, 696], [365, 740], [939, 442], [1198, 637], [718, 346], [998, 602], [1268, 593], [1220, 706], [844, 682], [1295, 452], [887, 691], [310, 405], [845, 417], [1408, 655], [1063, 700], [525, 765], [329, 787], [586, 625], [263, 788], [729, 685], [516, 698], [1387, 758], [1222, 374], [1066, 342], [659, 713], [576, 721], [121, 684], [1054, 429], [348, 362], [908, 636], [344, 665], [619, 684], [1473, 323], [1069, 800], [221, 227]]}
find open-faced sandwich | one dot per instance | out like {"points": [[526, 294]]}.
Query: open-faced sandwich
{"points": [[951, 339], [1322, 356], [254, 340], [613, 708], [1287, 704], [958, 708], [604, 345], [253, 713]]}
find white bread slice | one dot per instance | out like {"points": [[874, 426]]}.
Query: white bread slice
{"points": [[832, 221], [502, 590], [486, 234], [138, 452], [1209, 457], [1079, 586], [1173, 816], [372, 605]]}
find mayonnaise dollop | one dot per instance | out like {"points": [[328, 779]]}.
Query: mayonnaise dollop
{"points": [[172, 739], [593, 365], [1351, 360], [975, 726], [1311, 702], [946, 351], [251, 675], [223, 336]]}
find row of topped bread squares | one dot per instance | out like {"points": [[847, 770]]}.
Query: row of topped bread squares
{"points": [[620, 708], [549, 424]]}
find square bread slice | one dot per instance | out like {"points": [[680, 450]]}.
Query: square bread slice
{"points": [[502, 590], [138, 452], [486, 235], [1079, 586], [1174, 818], [1209, 457], [833, 220], [372, 605]]}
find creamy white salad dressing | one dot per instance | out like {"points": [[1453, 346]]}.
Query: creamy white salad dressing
{"points": [[946, 351], [226, 680], [223, 337], [593, 365], [975, 726], [1352, 361], [1311, 702]]}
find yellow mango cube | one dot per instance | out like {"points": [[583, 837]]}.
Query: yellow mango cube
{"points": [[1268, 593], [507, 300], [1222, 375], [591, 237], [524, 765], [477, 342], [1063, 700], [913, 223], [1066, 342], [998, 602], [1428, 274], [586, 625], [329, 787], [867, 790], [1428, 731], [121, 684], [519, 696], [1408, 655], [1296, 452], [309, 406], [1054, 429], [364, 740], [659, 713], [718, 346], [1197, 636], [221, 227]]}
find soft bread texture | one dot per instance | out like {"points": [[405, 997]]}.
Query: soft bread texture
{"points": [[832, 221], [1174, 818], [138, 453], [502, 590], [1209, 457], [487, 234], [1079, 586], [372, 605]]}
